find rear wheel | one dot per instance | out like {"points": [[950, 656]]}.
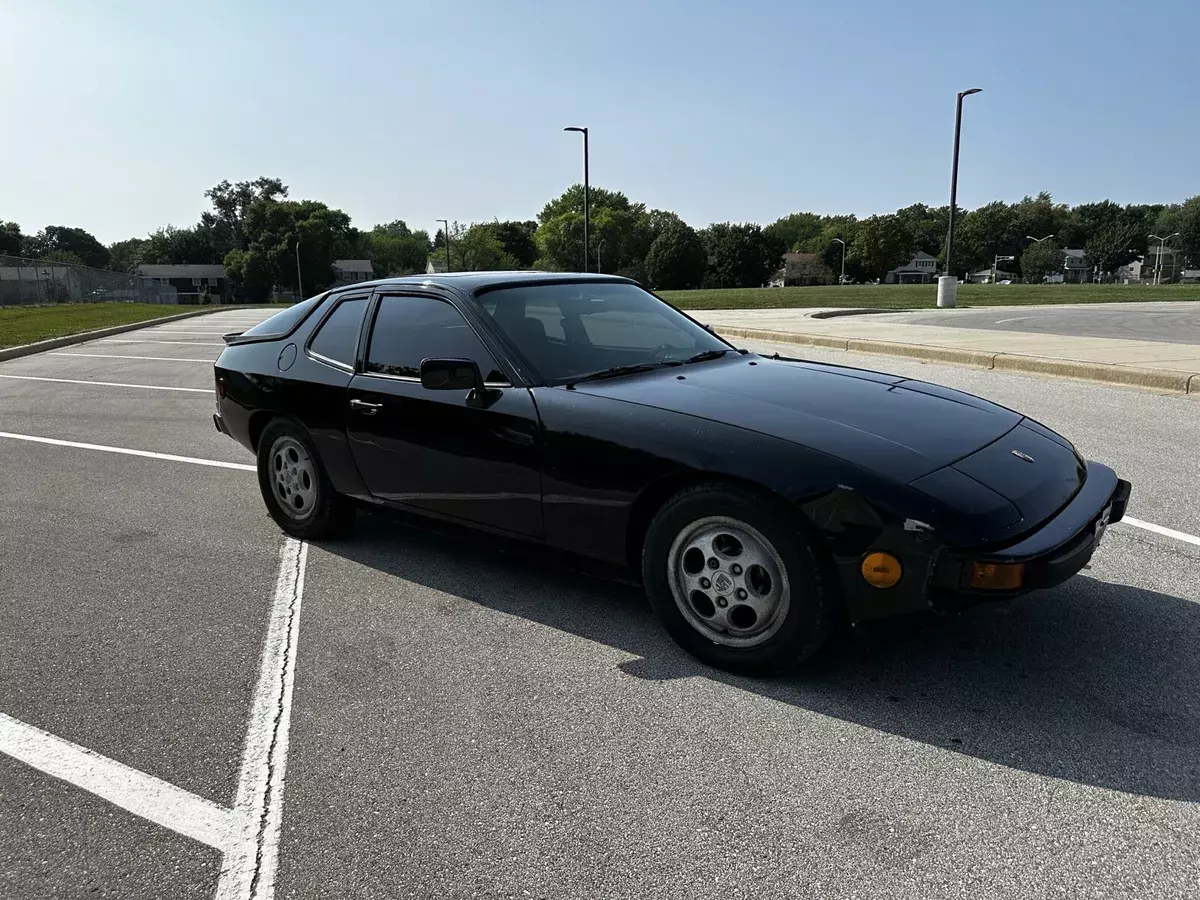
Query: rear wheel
{"points": [[736, 580], [295, 488]]}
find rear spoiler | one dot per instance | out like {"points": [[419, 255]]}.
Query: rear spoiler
{"points": [[231, 337]]}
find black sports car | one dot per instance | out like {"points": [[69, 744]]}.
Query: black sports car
{"points": [[759, 499]]}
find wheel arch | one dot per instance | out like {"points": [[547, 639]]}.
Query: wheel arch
{"points": [[654, 496]]}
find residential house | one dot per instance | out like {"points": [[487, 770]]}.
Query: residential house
{"points": [[352, 271], [984, 276], [194, 283], [921, 269], [1076, 269], [1133, 273], [801, 270]]}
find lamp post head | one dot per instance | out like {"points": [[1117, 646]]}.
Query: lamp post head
{"points": [[839, 241], [575, 128], [969, 92]]}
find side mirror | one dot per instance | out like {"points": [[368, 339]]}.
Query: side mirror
{"points": [[451, 375]]}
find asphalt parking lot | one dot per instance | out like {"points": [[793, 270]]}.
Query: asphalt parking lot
{"points": [[1175, 322], [191, 706]]}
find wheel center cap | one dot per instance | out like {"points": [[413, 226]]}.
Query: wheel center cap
{"points": [[723, 583]]}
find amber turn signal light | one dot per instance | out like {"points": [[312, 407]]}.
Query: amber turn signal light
{"points": [[881, 570], [997, 576]]}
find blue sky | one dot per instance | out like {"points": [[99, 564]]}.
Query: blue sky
{"points": [[118, 115]]}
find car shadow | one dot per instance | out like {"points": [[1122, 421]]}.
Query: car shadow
{"points": [[1092, 682]]}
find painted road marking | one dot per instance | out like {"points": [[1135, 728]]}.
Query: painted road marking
{"points": [[148, 387], [252, 859], [170, 457], [154, 358], [1016, 319], [143, 341], [248, 834], [141, 794], [1165, 532]]}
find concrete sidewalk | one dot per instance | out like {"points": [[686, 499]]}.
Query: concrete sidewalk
{"points": [[1148, 364]]}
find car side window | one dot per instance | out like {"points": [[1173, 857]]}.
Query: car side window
{"points": [[410, 329], [337, 338]]}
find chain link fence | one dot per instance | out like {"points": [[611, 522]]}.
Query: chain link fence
{"points": [[33, 282]]}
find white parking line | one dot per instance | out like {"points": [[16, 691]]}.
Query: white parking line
{"points": [[155, 358], [143, 795], [144, 341], [170, 457], [251, 861], [1165, 532], [1014, 319], [147, 387]]}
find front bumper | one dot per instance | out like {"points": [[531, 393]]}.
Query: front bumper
{"points": [[1058, 549]]}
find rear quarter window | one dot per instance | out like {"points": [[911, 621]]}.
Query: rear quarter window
{"points": [[284, 321]]}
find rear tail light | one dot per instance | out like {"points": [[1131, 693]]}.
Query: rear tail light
{"points": [[220, 387]]}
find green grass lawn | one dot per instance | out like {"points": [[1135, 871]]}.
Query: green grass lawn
{"points": [[26, 324], [910, 296]]}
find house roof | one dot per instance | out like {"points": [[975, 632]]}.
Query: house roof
{"points": [[181, 271], [1074, 255], [921, 254], [792, 257], [354, 265]]}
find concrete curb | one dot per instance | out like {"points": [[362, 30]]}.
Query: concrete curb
{"points": [[1126, 376], [82, 337]]}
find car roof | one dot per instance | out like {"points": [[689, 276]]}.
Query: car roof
{"points": [[468, 282]]}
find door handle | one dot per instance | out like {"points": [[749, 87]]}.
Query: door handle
{"points": [[368, 409]]}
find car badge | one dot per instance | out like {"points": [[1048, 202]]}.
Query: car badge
{"points": [[1025, 456]]}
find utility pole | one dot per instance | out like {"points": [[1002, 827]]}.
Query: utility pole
{"points": [[299, 280], [584, 132], [1158, 264], [948, 290], [842, 280], [446, 234]]}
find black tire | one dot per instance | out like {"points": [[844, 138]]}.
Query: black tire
{"points": [[814, 601], [329, 514]]}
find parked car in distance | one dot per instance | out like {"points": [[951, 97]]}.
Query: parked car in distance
{"points": [[759, 500]]}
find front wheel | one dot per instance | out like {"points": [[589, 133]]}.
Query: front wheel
{"points": [[735, 579], [295, 488]]}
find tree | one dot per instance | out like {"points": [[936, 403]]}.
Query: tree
{"points": [[126, 256], [477, 249], [1189, 230], [677, 259], [1112, 246], [622, 229], [12, 242], [63, 240], [738, 255], [231, 203], [794, 231], [880, 244], [181, 246], [272, 228], [985, 233], [516, 240], [394, 249], [1042, 259], [926, 226]]}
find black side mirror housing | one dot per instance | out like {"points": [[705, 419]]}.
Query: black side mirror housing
{"points": [[450, 375]]}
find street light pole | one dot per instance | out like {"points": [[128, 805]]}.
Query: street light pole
{"points": [[299, 280], [446, 235], [842, 280], [584, 132], [947, 291], [1030, 237], [1158, 264], [599, 247]]}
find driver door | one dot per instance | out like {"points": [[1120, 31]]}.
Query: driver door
{"points": [[430, 450]]}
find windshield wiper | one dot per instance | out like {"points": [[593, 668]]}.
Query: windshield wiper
{"points": [[709, 354], [617, 371]]}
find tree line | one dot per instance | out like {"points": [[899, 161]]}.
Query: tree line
{"points": [[253, 227]]}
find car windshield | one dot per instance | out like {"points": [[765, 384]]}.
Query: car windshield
{"points": [[570, 330]]}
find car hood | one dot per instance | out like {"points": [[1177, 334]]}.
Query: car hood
{"points": [[897, 427]]}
